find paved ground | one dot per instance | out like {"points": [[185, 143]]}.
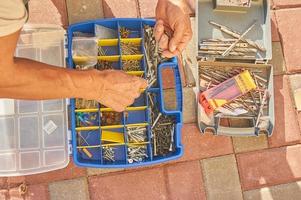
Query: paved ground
{"points": [[212, 167]]}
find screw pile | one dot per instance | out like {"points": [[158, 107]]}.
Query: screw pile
{"points": [[137, 154], [131, 65], [83, 103], [164, 131], [152, 55], [108, 154], [124, 32], [129, 48], [110, 118], [163, 128], [136, 134], [254, 102]]}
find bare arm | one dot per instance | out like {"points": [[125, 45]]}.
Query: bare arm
{"points": [[27, 79]]}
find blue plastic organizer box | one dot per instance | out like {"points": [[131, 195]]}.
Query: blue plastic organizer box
{"points": [[139, 115]]}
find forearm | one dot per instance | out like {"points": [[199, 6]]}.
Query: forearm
{"points": [[27, 79]]}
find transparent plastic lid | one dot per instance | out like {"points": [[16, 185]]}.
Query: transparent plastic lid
{"points": [[33, 134]]}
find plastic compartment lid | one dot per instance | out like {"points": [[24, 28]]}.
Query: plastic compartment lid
{"points": [[33, 134]]}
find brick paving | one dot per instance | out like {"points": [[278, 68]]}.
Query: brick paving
{"points": [[212, 167]]}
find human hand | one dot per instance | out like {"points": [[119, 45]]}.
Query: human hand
{"points": [[116, 89], [173, 28]]}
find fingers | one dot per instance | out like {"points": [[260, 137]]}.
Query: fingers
{"points": [[179, 30], [163, 42], [159, 29]]}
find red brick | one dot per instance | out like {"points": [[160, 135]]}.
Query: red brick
{"points": [[185, 181], [117, 8], [148, 8], [286, 130], [198, 146], [37, 192], [48, 12], [286, 3], [15, 181], [70, 172], [275, 33], [289, 21], [3, 182], [269, 167], [147, 184]]}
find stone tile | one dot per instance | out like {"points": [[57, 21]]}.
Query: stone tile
{"points": [[199, 146], [70, 189], [48, 12], [295, 85], [95, 171], [269, 167], [286, 3], [148, 8], [117, 8], [37, 192], [221, 178], [146, 184], [185, 181], [189, 103], [278, 59], [81, 10], [286, 129], [288, 23], [274, 26], [70, 172], [244, 144], [278, 192], [295, 82]]}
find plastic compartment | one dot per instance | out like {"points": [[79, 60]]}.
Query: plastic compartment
{"points": [[129, 60], [52, 105], [53, 126], [22, 137], [112, 61], [28, 106], [29, 160], [29, 132], [109, 47], [238, 22], [134, 26], [8, 162], [54, 157], [135, 115], [7, 134]]}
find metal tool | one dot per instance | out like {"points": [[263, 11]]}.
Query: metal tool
{"points": [[240, 38]]}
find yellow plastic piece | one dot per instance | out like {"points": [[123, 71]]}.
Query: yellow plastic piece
{"points": [[136, 41], [215, 103], [132, 57], [245, 82], [113, 144], [109, 58], [83, 59], [87, 152], [135, 73], [111, 136], [110, 109], [108, 42], [88, 128]]}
